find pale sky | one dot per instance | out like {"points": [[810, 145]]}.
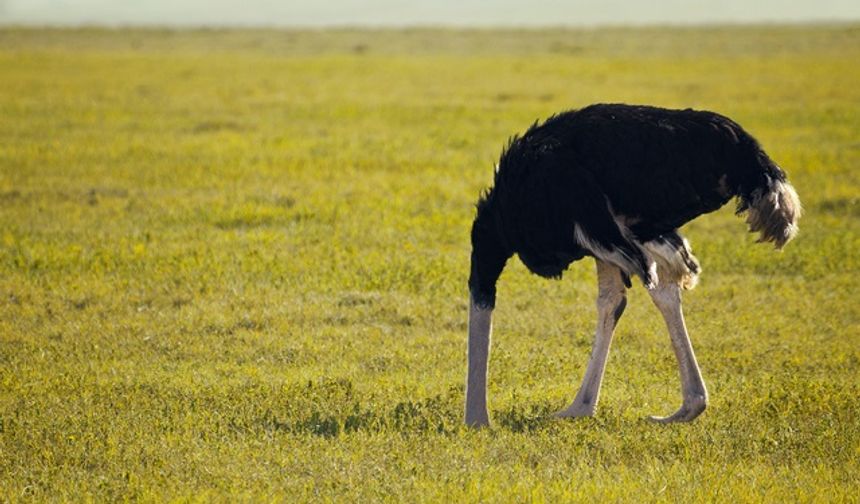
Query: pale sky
{"points": [[320, 13]]}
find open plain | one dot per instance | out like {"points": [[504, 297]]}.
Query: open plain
{"points": [[233, 264]]}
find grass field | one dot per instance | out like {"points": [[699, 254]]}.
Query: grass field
{"points": [[234, 263]]}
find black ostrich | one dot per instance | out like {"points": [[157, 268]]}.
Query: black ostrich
{"points": [[615, 182]]}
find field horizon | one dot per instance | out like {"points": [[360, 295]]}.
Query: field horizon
{"points": [[233, 265]]}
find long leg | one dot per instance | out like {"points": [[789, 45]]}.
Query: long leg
{"points": [[480, 328], [611, 300], [667, 298]]}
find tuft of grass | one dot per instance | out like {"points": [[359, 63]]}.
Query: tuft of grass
{"points": [[233, 266]]}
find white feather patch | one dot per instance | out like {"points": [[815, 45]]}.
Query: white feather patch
{"points": [[616, 256], [672, 264]]}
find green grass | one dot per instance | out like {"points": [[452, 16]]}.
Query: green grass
{"points": [[233, 264]]}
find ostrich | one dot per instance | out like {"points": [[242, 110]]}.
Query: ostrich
{"points": [[615, 182]]}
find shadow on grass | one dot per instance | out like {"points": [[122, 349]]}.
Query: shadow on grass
{"points": [[441, 414], [427, 415]]}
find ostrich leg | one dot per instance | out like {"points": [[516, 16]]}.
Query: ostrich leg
{"points": [[667, 298], [611, 300], [480, 327]]}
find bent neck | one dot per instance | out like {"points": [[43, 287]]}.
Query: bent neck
{"points": [[488, 260]]}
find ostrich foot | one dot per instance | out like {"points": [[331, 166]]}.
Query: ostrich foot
{"points": [[693, 406], [576, 410], [478, 420]]}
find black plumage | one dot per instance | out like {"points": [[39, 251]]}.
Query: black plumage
{"points": [[624, 175]]}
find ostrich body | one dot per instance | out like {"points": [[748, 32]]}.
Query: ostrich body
{"points": [[615, 182]]}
